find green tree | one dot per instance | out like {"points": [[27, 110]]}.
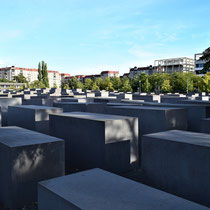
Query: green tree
{"points": [[135, 84], [39, 72], [43, 74], [66, 86], [142, 81], [125, 85], [99, 83], [156, 81], [88, 84], [20, 78], [45, 78], [179, 82], [107, 84], [166, 87], [95, 87], [37, 84], [80, 85], [206, 83], [116, 82], [74, 83]]}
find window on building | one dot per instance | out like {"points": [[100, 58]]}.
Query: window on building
{"points": [[199, 65]]}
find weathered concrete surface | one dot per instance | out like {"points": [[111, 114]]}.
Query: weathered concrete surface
{"points": [[87, 134], [27, 157], [153, 119], [4, 103], [31, 117], [149, 98], [205, 125], [71, 106], [195, 113], [98, 189], [178, 162]]}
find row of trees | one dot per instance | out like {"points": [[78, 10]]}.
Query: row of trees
{"points": [[109, 84], [159, 83]]}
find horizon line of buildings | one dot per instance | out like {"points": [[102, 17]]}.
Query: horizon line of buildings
{"points": [[182, 64], [55, 78]]}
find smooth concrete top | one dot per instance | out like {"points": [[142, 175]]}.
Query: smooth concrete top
{"points": [[35, 107], [200, 139], [146, 108], [93, 116], [75, 103], [122, 104], [98, 189], [197, 101], [173, 105], [13, 136]]}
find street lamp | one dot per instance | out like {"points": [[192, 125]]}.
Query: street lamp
{"points": [[139, 86], [187, 84]]}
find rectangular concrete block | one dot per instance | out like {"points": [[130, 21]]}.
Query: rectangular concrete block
{"points": [[98, 189], [149, 98], [153, 119], [87, 135], [195, 113], [205, 125], [27, 157], [4, 103], [71, 106], [178, 162], [31, 117]]}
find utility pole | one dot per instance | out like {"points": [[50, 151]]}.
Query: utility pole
{"points": [[139, 86], [187, 85]]}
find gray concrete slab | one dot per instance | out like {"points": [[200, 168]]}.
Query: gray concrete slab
{"points": [[153, 119], [195, 102], [4, 103], [31, 117], [40, 101], [87, 134], [178, 162], [195, 113], [172, 99], [98, 189], [205, 125], [27, 157], [148, 98], [81, 107], [71, 106]]}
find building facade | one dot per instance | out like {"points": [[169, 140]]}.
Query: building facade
{"points": [[64, 76], [182, 64], [30, 74], [199, 64], [139, 70], [105, 74]]}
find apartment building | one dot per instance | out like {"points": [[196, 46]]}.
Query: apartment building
{"points": [[30, 74], [199, 64], [105, 74], [182, 64], [64, 76], [135, 71]]}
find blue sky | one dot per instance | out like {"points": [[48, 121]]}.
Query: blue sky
{"points": [[89, 36]]}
